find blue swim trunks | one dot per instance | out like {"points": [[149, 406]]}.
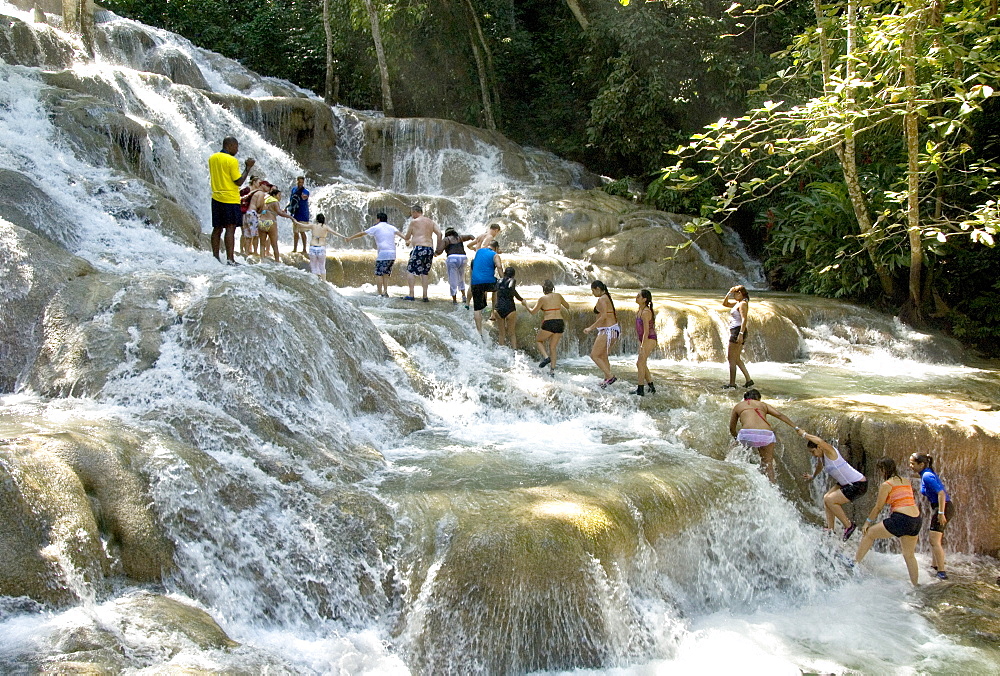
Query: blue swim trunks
{"points": [[384, 268]]}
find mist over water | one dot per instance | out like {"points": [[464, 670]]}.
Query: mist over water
{"points": [[352, 485]]}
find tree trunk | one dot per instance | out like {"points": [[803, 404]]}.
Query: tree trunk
{"points": [[581, 18], [912, 131], [483, 86], [383, 68], [490, 77], [331, 83], [78, 17], [846, 151]]}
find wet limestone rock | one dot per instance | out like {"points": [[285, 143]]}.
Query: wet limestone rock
{"points": [[960, 433], [514, 591], [169, 616], [27, 205], [302, 127], [22, 45], [395, 149], [135, 630], [625, 245], [79, 511], [34, 269], [99, 325]]}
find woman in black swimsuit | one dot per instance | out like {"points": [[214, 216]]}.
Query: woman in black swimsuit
{"points": [[551, 305], [506, 312]]}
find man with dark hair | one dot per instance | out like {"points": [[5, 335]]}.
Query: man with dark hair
{"points": [[226, 179], [385, 236], [486, 268], [751, 414], [298, 207], [420, 235], [484, 240]]}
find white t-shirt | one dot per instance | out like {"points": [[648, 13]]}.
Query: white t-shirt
{"points": [[385, 240]]}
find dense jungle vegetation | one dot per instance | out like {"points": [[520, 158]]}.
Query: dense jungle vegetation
{"points": [[853, 143]]}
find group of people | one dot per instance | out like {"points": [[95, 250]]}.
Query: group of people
{"points": [[256, 208], [749, 425]]}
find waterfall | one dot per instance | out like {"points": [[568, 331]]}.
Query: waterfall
{"points": [[249, 470]]}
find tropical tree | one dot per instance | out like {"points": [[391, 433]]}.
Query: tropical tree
{"points": [[865, 70]]}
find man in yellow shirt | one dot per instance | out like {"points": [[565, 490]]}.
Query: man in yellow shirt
{"points": [[224, 173]]}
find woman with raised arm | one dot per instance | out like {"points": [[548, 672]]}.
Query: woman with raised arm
{"points": [[453, 244], [607, 329], [553, 326], [942, 510], [902, 523], [738, 299], [645, 331]]}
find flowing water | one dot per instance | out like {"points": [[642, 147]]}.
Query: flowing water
{"points": [[357, 485]]}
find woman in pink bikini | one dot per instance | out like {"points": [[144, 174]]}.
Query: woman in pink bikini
{"points": [[645, 331], [751, 414]]}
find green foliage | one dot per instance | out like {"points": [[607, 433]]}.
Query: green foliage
{"points": [[813, 246]]}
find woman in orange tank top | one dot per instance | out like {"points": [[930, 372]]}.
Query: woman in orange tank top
{"points": [[903, 522]]}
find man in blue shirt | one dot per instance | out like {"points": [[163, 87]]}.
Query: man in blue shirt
{"points": [[486, 267], [298, 207]]}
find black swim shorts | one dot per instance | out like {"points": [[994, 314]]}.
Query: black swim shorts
{"points": [[226, 215], [854, 491], [900, 524], [734, 335], [949, 510], [479, 292], [554, 326]]}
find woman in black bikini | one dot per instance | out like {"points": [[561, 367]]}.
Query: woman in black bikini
{"points": [[551, 305], [506, 312]]}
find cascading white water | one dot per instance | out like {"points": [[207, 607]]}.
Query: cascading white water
{"points": [[323, 462]]}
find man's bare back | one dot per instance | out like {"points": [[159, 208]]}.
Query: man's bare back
{"points": [[421, 232]]}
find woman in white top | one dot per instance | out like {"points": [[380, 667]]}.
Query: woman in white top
{"points": [[738, 299], [851, 484]]}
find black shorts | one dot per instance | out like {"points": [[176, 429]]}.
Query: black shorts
{"points": [[854, 491], [900, 524], [734, 335], [949, 510], [479, 292], [554, 326], [226, 215]]}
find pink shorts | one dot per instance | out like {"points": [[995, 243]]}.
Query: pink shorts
{"points": [[755, 438]]}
